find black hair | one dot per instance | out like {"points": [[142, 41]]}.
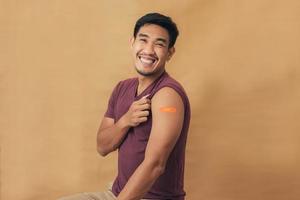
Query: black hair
{"points": [[160, 20]]}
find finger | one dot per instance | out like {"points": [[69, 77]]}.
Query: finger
{"points": [[146, 106], [143, 101], [143, 113], [143, 119]]}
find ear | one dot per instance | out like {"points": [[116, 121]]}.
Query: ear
{"points": [[132, 41], [171, 52]]}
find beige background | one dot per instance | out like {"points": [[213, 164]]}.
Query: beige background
{"points": [[238, 60]]}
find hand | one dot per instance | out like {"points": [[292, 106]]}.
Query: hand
{"points": [[138, 112]]}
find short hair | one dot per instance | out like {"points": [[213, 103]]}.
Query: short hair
{"points": [[160, 20]]}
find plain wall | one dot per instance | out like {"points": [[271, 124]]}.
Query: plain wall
{"points": [[238, 61]]}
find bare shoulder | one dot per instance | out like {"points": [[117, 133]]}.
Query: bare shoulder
{"points": [[167, 106], [167, 96]]}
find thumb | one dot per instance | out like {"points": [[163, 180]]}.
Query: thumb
{"points": [[144, 97]]}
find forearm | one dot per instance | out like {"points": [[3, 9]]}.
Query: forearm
{"points": [[141, 181], [108, 139]]}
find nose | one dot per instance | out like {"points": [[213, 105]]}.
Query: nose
{"points": [[148, 48]]}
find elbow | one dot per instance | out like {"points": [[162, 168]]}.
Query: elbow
{"points": [[157, 166], [105, 150], [159, 170], [102, 152], [101, 148]]}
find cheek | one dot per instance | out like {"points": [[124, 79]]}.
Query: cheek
{"points": [[136, 48], [163, 55], [139, 45]]}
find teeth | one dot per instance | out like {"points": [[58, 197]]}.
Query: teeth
{"points": [[147, 60]]}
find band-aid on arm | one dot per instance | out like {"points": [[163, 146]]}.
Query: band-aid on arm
{"points": [[168, 109]]}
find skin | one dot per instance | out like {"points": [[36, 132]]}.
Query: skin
{"points": [[111, 133], [150, 53], [151, 43]]}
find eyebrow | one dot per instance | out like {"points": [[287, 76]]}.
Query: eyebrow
{"points": [[143, 35], [147, 36]]}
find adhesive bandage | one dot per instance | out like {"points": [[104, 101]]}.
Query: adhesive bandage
{"points": [[168, 109]]}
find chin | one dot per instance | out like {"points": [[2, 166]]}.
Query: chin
{"points": [[143, 73]]}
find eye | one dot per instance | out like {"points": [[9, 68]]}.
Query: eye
{"points": [[143, 40], [160, 44]]}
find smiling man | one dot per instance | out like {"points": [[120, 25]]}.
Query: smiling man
{"points": [[147, 121]]}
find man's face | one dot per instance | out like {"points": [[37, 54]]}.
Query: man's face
{"points": [[151, 49]]}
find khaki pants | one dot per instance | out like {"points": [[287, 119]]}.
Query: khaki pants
{"points": [[107, 195], [91, 196]]}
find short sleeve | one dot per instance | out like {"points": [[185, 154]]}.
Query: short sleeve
{"points": [[111, 103]]}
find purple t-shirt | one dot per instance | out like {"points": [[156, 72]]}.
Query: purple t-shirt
{"points": [[132, 149]]}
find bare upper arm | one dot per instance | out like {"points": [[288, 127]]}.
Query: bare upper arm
{"points": [[167, 120]]}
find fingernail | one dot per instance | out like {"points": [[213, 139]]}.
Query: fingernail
{"points": [[146, 96]]}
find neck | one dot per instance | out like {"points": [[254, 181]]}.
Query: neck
{"points": [[145, 81]]}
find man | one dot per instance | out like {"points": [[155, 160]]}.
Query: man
{"points": [[147, 120]]}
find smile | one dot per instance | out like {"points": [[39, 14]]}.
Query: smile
{"points": [[147, 60]]}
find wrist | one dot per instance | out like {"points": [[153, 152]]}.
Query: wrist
{"points": [[123, 123]]}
